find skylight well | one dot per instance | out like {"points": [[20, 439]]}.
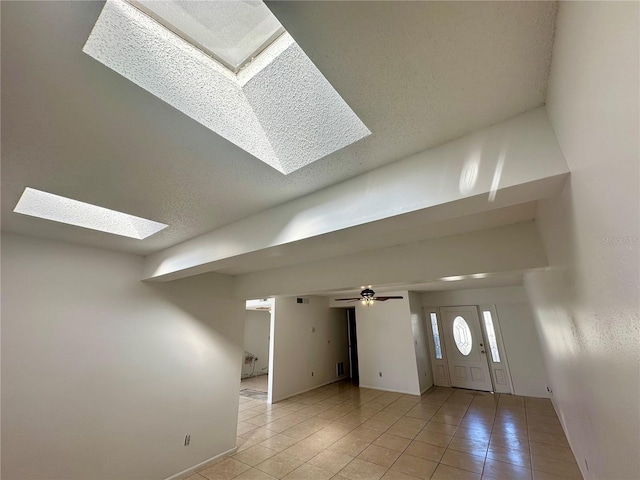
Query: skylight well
{"points": [[232, 67], [73, 212], [232, 32]]}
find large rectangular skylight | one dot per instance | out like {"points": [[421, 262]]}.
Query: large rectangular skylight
{"points": [[279, 108], [233, 32], [65, 210]]}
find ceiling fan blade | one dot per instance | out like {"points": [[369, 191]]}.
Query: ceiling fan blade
{"points": [[384, 299], [346, 299]]}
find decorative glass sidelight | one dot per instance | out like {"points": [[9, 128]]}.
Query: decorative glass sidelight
{"points": [[491, 336], [436, 335]]}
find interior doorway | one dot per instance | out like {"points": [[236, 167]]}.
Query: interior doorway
{"points": [[353, 346], [256, 359]]}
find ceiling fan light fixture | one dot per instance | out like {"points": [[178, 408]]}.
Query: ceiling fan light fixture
{"points": [[368, 296], [367, 301]]}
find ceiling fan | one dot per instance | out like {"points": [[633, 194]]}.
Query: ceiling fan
{"points": [[367, 297]]}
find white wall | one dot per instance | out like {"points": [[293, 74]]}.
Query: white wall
{"points": [[503, 249], [586, 305], [257, 329], [385, 344], [518, 328], [103, 375], [420, 342], [308, 337], [421, 188]]}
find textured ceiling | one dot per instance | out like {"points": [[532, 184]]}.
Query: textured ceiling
{"points": [[286, 113], [416, 73]]}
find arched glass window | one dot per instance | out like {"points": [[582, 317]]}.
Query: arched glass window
{"points": [[462, 335]]}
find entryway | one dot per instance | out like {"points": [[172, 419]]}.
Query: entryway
{"points": [[465, 351]]}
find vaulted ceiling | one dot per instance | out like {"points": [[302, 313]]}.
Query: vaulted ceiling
{"points": [[418, 74]]}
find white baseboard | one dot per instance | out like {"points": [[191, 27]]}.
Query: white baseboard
{"points": [[275, 400], [389, 390], [185, 473]]}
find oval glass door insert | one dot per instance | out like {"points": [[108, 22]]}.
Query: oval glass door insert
{"points": [[462, 335]]}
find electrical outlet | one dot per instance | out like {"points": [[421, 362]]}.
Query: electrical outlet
{"points": [[187, 440], [380, 373]]}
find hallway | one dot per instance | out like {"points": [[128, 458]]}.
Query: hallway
{"points": [[344, 432]]}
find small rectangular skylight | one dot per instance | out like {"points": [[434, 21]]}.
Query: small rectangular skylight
{"points": [[65, 210], [232, 32]]}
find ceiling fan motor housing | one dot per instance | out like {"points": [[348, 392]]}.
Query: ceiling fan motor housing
{"points": [[367, 293]]}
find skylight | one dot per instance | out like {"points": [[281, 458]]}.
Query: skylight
{"points": [[65, 210], [232, 32], [278, 108]]}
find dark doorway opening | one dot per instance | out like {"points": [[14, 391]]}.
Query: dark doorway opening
{"points": [[353, 346]]}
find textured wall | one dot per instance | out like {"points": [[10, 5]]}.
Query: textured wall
{"points": [[587, 304]]}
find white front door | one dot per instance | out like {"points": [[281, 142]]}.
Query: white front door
{"points": [[466, 353]]}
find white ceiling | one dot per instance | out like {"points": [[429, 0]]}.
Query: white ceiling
{"points": [[507, 279], [417, 73]]}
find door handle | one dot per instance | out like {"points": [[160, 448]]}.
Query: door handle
{"points": [[482, 351]]}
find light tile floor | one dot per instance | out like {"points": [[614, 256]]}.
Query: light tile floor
{"points": [[342, 432], [259, 383]]}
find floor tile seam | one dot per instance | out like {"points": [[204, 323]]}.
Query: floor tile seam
{"points": [[233, 455], [401, 453], [484, 461], [484, 465], [526, 423], [530, 468]]}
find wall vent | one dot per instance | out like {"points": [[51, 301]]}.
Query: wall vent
{"points": [[302, 300], [339, 369]]}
